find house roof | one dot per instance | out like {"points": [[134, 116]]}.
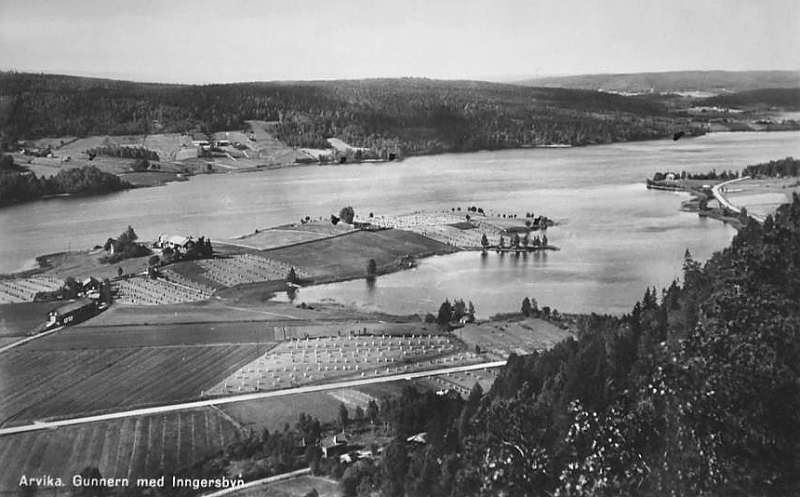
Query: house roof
{"points": [[73, 306], [178, 240]]}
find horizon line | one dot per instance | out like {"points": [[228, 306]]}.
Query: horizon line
{"points": [[509, 79]]}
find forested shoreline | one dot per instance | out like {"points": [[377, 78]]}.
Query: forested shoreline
{"points": [[416, 116], [19, 186]]}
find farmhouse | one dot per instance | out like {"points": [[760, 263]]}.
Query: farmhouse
{"points": [[335, 446], [174, 242], [90, 287], [200, 140]]}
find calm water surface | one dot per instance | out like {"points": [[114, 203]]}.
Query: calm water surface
{"points": [[616, 237]]}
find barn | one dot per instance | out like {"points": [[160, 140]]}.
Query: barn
{"points": [[72, 313]]}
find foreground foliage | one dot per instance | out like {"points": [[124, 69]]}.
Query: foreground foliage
{"points": [[698, 394]]}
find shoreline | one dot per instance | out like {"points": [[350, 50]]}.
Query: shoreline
{"points": [[274, 167]]}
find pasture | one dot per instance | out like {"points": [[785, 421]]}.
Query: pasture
{"points": [[131, 447], [207, 311], [44, 384], [502, 338]]}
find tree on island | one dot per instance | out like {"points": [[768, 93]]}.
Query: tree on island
{"points": [[445, 314], [459, 310], [527, 309], [372, 269]]}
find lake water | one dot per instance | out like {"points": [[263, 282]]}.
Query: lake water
{"points": [[616, 237]]}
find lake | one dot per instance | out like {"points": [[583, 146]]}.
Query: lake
{"points": [[616, 237]]}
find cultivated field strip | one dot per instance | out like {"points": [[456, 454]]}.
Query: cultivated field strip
{"points": [[300, 362], [25, 289], [127, 448], [142, 291], [246, 268], [40, 385]]}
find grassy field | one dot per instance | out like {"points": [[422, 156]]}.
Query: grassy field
{"points": [[274, 238], [762, 196], [274, 413], [502, 338], [81, 265], [131, 447], [347, 256], [41, 384], [18, 319]]}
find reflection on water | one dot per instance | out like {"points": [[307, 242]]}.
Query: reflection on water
{"points": [[616, 237]]}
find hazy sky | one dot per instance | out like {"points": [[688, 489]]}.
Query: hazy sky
{"points": [[246, 40]]}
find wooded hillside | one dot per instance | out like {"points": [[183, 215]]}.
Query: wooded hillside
{"points": [[418, 116]]}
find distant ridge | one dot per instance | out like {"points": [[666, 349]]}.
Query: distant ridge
{"points": [[703, 81]]}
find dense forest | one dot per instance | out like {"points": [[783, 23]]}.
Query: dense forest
{"points": [[783, 167], [786, 98], [17, 185], [416, 116]]}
